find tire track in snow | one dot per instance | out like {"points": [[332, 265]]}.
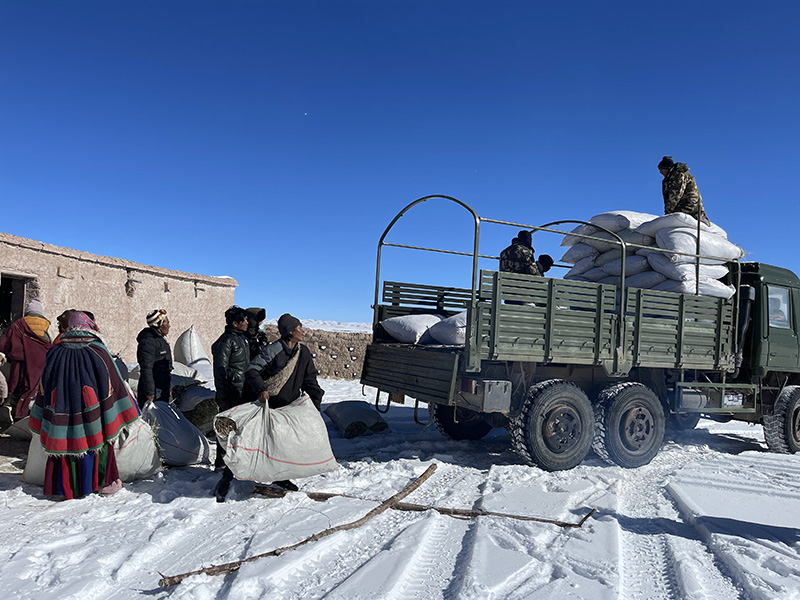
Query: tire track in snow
{"points": [[396, 555], [662, 557]]}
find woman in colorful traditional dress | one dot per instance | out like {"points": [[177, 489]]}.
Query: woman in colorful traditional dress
{"points": [[82, 406]]}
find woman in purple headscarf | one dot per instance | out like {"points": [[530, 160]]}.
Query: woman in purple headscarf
{"points": [[82, 406]]}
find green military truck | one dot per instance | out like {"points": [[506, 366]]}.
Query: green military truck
{"points": [[567, 366]]}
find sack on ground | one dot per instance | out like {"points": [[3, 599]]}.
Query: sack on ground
{"points": [[20, 429], [355, 418], [136, 451], [180, 443], [37, 462], [273, 444]]}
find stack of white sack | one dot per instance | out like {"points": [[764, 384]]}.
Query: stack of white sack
{"points": [[646, 266]]}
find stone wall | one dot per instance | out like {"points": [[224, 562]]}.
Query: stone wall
{"points": [[120, 293], [337, 354]]}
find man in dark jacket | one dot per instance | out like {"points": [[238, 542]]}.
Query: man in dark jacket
{"points": [[278, 375], [255, 337], [519, 256], [231, 354], [155, 359], [680, 190]]}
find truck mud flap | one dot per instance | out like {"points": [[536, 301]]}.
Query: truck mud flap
{"points": [[426, 375]]}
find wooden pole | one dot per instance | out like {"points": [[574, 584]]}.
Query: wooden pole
{"points": [[166, 581]]}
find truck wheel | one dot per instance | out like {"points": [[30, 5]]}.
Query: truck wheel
{"points": [[683, 421], [554, 428], [629, 425], [782, 427], [467, 424]]}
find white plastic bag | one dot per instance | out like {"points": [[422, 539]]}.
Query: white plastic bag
{"points": [[189, 351], [136, 451], [617, 220], [685, 240], [578, 252], [450, 331], [273, 444], [683, 271], [408, 329], [179, 441], [37, 462]]}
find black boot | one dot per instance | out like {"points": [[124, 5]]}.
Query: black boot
{"points": [[223, 485], [286, 485]]}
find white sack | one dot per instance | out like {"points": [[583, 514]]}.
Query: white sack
{"points": [[646, 280], [628, 236], [355, 418], [179, 441], [192, 396], [595, 274], [708, 287], [580, 267], [610, 280], [136, 451], [189, 351], [450, 331], [570, 240], [20, 429], [37, 462], [617, 220], [409, 329], [679, 220], [685, 240], [577, 252], [607, 256], [683, 271], [273, 444], [633, 266]]}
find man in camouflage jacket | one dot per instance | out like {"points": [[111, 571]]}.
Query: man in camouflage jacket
{"points": [[519, 256], [680, 190]]}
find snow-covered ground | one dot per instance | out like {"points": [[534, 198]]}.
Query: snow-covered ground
{"points": [[714, 516]]}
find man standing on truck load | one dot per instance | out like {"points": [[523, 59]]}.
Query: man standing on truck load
{"points": [[680, 190], [519, 256]]}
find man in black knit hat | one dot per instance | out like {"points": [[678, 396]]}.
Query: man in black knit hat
{"points": [[280, 373], [680, 190]]}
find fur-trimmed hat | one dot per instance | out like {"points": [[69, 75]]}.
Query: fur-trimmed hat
{"points": [[287, 324], [156, 317]]}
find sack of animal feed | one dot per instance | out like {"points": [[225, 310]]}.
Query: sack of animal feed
{"points": [[180, 443], [136, 451], [264, 444], [355, 418]]}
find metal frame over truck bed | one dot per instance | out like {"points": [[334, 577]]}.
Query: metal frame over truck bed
{"points": [[537, 348]]}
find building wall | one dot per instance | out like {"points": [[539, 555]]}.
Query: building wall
{"points": [[120, 293]]}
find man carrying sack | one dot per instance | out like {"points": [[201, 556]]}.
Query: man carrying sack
{"points": [[283, 378]]}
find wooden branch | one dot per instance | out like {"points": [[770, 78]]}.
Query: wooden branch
{"points": [[455, 512], [233, 566]]}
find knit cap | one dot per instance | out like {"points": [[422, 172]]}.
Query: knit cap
{"points": [[156, 318], [287, 324]]}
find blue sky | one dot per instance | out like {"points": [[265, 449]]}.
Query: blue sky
{"points": [[274, 141]]}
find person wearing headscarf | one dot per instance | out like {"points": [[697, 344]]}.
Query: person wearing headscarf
{"points": [[155, 359], [82, 406], [24, 344]]}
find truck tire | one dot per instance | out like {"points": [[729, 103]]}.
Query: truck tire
{"points": [[553, 430], [465, 425], [683, 421], [782, 427], [629, 425]]}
